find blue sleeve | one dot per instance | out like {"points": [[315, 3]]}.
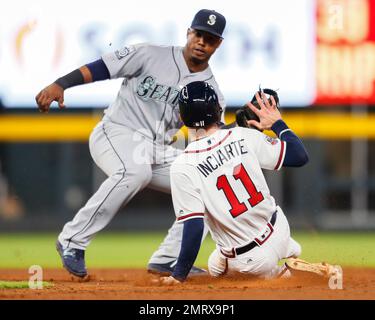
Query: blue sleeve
{"points": [[296, 154], [191, 242], [98, 70]]}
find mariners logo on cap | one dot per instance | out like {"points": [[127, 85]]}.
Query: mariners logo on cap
{"points": [[211, 20]]}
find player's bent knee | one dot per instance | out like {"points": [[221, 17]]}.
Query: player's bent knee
{"points": [[269, 267], [138, 177], [295, 249]]}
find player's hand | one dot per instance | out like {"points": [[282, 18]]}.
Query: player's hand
{"points": [[167, 281], [51, 93], [268, 113]]}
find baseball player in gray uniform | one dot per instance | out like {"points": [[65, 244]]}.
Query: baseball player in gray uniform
{"points": [[132, 142]]}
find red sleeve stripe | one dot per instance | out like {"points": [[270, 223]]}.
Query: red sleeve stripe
{"points": [[191, 215], [281, 156]]}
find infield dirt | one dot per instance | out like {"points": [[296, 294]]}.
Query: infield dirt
{"points": [[137, 284]]}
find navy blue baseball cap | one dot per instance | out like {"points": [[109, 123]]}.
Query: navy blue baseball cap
{"points": [[210, 21]]}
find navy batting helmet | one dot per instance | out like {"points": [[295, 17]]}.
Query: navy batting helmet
{"points": [[199, 105]]}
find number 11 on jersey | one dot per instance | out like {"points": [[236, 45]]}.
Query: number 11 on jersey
{"points": [[237, 207]]}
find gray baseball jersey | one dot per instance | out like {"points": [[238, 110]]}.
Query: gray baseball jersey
{"points": [[148, 97], [146, 104]]}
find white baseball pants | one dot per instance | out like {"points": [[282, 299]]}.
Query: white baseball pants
{"points": [[261, 261], [132, 162]]}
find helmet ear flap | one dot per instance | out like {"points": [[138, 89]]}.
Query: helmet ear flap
{"points": [[219, 113]]}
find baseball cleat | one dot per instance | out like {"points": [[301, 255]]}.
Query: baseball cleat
{"points": [[166, 269], [195, 271], [322, 268], [73, 260], [284, 272]]}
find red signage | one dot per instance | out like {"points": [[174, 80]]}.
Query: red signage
{"points": [[345, 52]]}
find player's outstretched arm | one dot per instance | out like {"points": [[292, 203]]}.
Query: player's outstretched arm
{"points": [[55, 91], [296, 154], [190, 245], [94, 71]]}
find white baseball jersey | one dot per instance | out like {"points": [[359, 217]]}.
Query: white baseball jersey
{"points": [[148, 97], [220, 178]]}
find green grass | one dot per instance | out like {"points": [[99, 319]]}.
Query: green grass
{"points": [[346, 249], [19, 284], [132, 250]]}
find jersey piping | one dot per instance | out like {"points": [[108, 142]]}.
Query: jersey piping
{"points": [[190, 216], [212, 147], [281, 156], [100, 205]]}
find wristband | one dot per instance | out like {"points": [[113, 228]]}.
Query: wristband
{"points": [[278, 127], [75, 78]]}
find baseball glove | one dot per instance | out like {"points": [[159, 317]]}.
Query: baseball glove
{"points": [[245, 114]]}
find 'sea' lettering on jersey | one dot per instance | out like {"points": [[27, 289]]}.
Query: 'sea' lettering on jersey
{"points": [[225, 153], [149, 89]]}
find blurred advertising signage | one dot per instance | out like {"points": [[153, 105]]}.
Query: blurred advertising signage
{"points": [[345, 61], [271, 43]]}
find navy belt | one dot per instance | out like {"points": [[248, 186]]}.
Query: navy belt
{"points": [[254, 243]]}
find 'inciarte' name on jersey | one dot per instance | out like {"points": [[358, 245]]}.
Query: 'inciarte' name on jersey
{"points": [[149, 89], [224, 154]]}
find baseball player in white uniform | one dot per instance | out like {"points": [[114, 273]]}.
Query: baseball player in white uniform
{"points": [[132, 142], [219, 180]]}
